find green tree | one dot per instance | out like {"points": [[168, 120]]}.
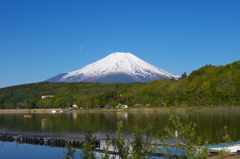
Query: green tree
{"points": [[96, 103], [184, 75], [46, 103], [206, 88], [70, 153], [30, 103], [89, 144]]}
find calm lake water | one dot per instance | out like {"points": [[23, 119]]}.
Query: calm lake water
{"points": [[210, 126]]}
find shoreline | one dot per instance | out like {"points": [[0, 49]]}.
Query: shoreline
{"points": [[102, 110]]}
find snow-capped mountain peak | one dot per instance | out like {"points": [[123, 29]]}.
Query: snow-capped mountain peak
{"points": [[119, 64]]}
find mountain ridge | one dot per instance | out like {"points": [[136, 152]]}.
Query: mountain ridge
{"points": [[118, 64]]}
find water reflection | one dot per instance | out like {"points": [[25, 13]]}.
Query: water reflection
{"points": [[210, 124], [122, 115], [74, 115], [44, 124]]}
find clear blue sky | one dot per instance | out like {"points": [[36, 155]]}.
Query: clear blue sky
{"points": [[40, 38]]}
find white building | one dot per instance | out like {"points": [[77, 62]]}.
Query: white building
{"points": [[121, 106], [74, 105], [44, 96]]}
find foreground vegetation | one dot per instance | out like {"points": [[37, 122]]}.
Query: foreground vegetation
{"points": [[207, 86], [149, 141]]}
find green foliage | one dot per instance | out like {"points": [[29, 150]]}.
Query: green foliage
{"points": [[120, 144], [186, 141], [46, 103], [89, 145], [207, 86], [105, 154], [63, 102], [138, 146], [70, 153], [142, 146], [184, 75], [144, 141]]}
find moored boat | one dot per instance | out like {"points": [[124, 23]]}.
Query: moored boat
{"points": [[27, 116], [229, 147]]}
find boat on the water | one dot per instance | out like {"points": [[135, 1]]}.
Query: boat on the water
{"points": [[27, 116], [233, 148], [229, 147]]}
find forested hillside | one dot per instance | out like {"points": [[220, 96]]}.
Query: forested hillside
{"points": [[207, 86]]}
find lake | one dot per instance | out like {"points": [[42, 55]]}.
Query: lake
{"points": [[210, 125]]}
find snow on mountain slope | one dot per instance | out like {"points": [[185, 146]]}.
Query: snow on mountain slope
{"points": [[124, 66]]}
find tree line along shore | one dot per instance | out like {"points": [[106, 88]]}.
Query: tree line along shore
{"points": [[130, 110], [208, 86]]}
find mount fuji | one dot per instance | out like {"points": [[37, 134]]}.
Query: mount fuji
{"points": [[116, 67]]}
